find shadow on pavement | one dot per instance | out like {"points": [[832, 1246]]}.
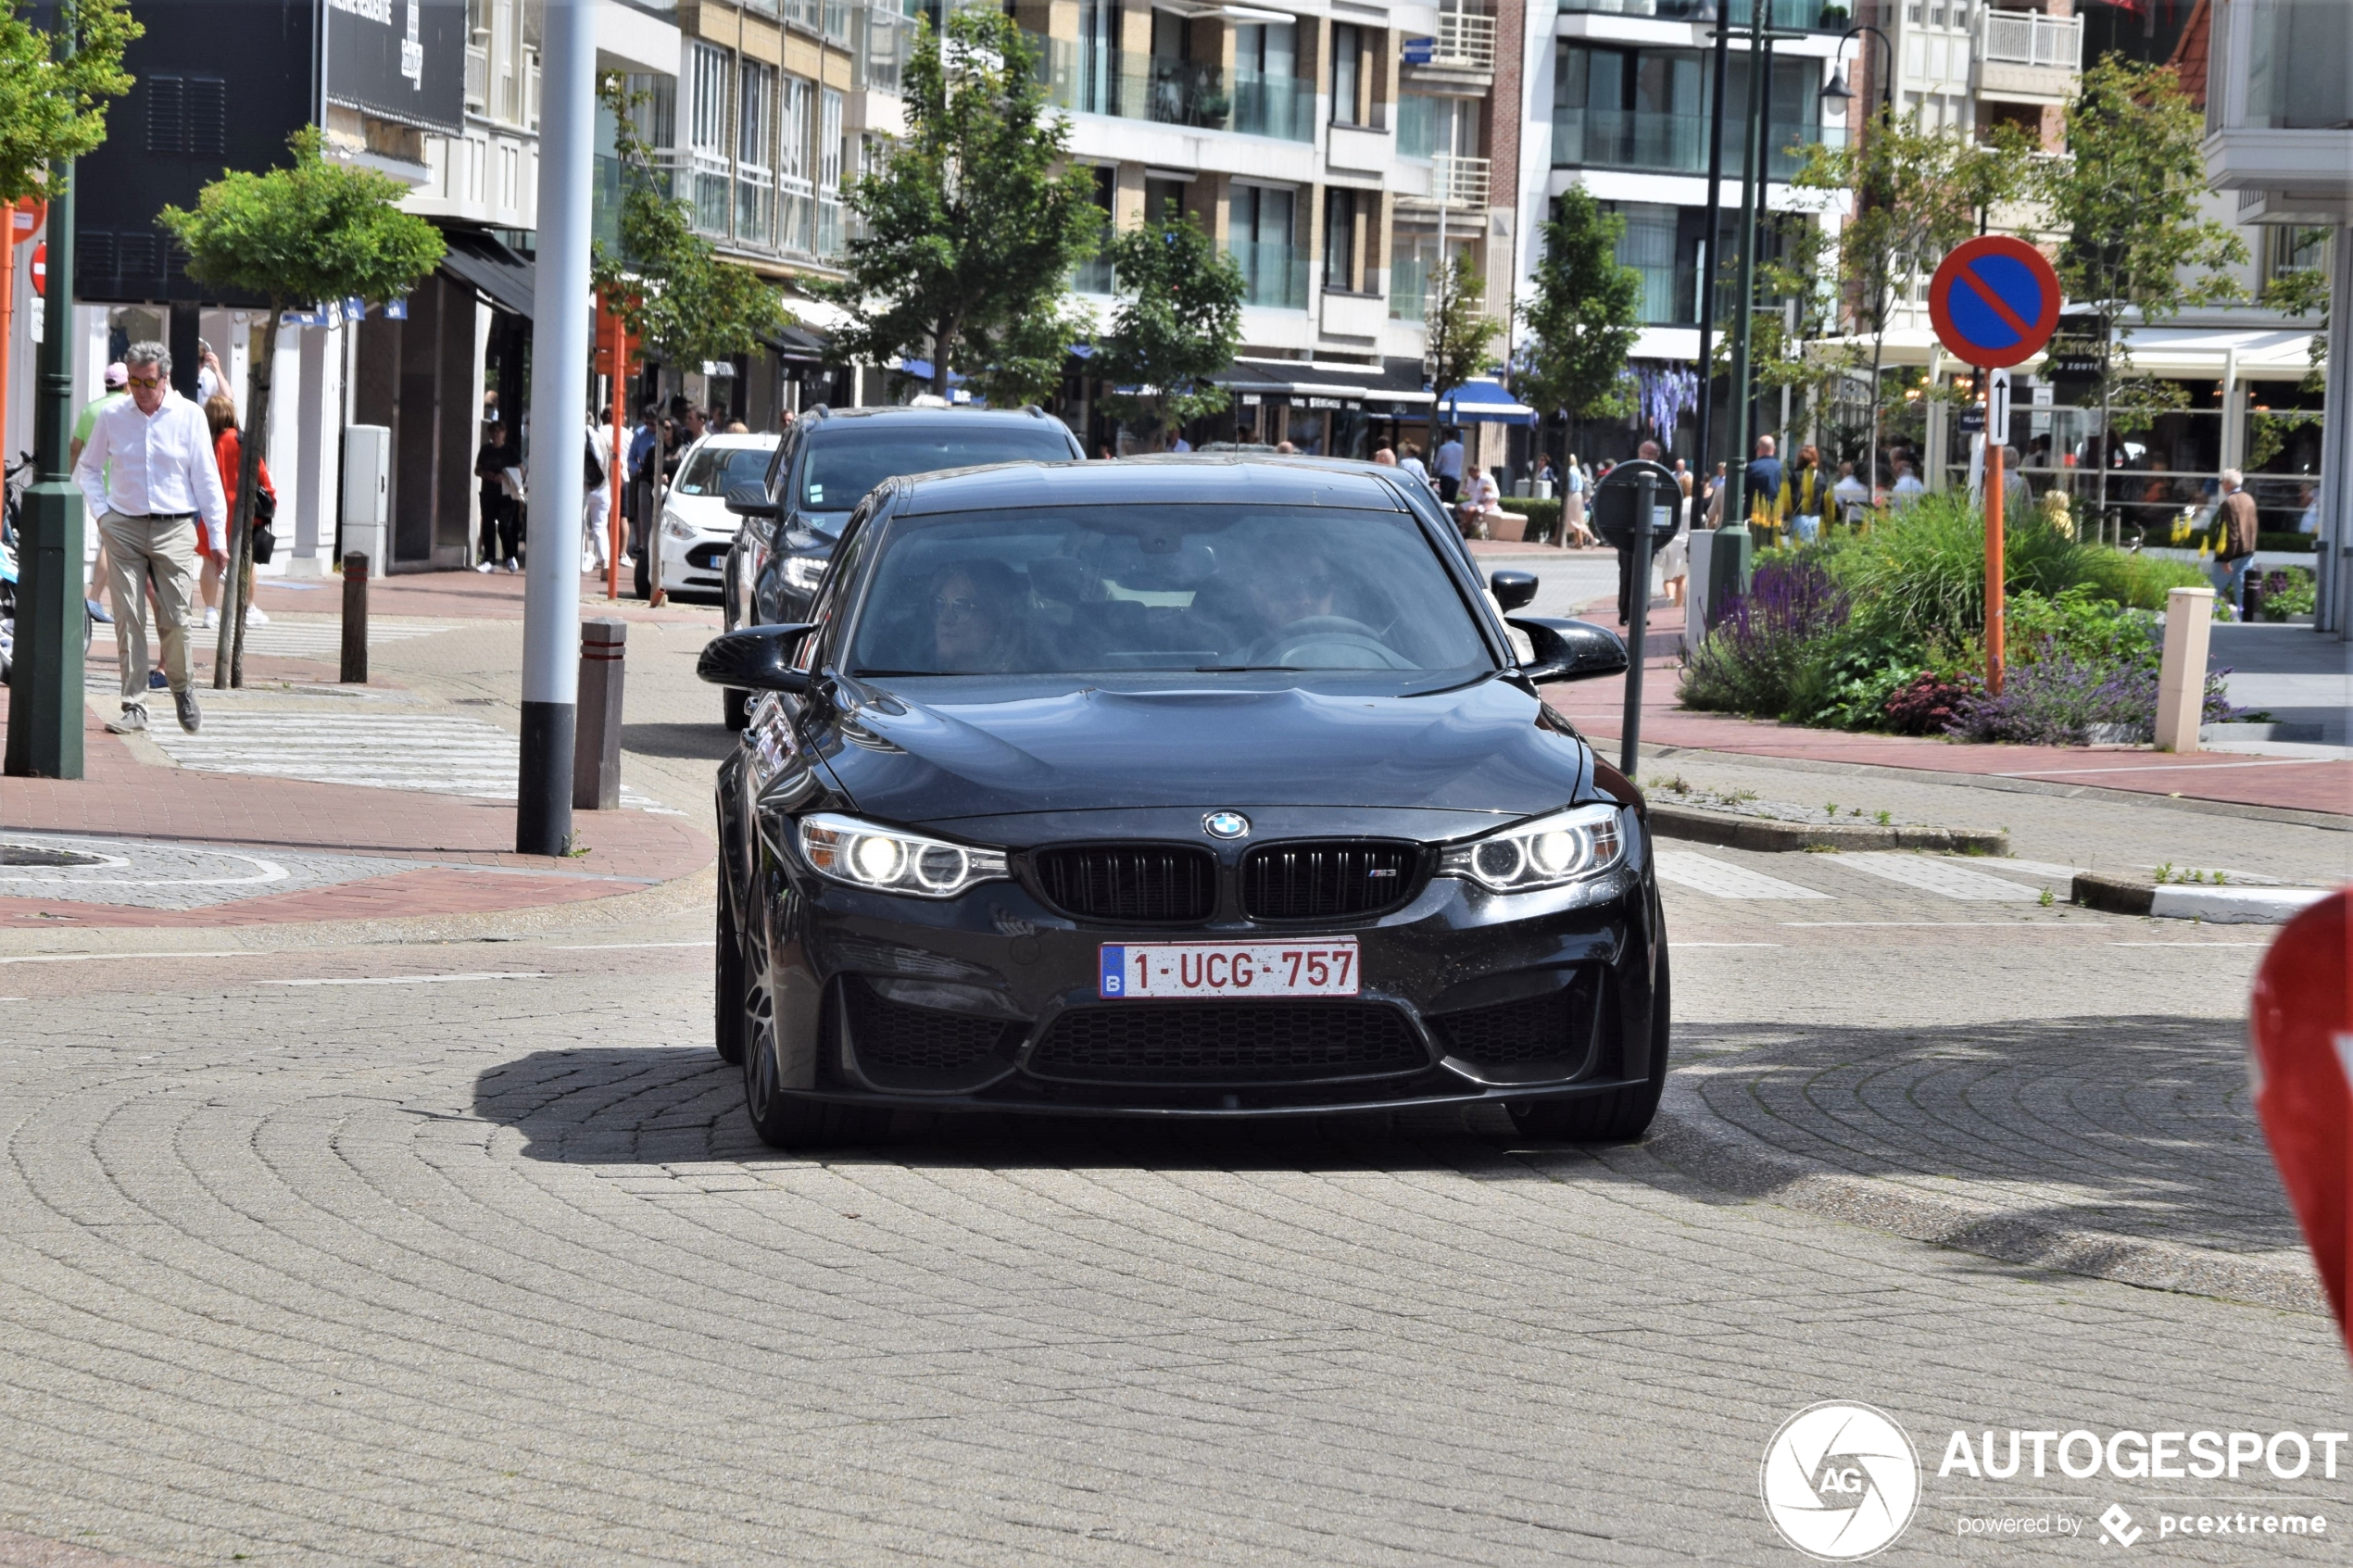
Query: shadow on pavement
{"points": [[711, 742]]}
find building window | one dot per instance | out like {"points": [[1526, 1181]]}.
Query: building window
{"points": [[1428, 127], [755, 157], [1261, 233], [797, 194], [1339, 239], [2289, 247], [830, 152], [1648, 246], [709, 174], [1093, 275], [1348, 60]]}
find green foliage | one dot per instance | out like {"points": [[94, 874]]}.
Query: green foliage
{"points": [[1543, 514], [1585, 316], [2293, 590], [976, 217], [54, 109], [1020, 362], [1178, 319], [1458, 326], [316, 231], [667, 282], [2129, 203], [2304, 291]]}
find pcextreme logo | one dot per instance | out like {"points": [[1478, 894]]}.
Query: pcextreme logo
{"points": [[1840, 1481]]}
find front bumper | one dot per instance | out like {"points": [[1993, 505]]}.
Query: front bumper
{"points": [[988, 1002]]}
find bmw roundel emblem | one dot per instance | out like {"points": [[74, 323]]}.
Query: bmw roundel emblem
{"points": [[1226, 825]]}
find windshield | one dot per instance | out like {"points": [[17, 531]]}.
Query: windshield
{"points": [[1208, 588], [844, 463], [715, 471]]}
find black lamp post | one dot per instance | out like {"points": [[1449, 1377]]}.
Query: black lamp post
{"points": [[1837, 95]]}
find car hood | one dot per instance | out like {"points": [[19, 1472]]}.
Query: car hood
{"points": [[947, 754]]}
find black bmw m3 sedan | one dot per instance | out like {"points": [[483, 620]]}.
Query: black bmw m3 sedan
{"points": [[1206, 788]]}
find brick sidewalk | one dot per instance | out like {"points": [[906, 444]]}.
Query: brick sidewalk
{"points": [[470, 866], [473, 595], [1597, 707]]}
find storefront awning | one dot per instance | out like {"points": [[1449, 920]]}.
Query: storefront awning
{"points": [[1484, 402], [500, 276], [1396, 385]]}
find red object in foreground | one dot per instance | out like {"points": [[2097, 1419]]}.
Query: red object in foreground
{"points": [[41, 268], [2300, 1044]]}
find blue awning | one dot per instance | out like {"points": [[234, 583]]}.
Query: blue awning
{"points": [[1484, 402], [921, 370]]}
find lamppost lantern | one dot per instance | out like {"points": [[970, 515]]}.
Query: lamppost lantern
{"points": [[1836, 96]]}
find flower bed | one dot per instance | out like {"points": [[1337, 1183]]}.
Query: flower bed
{"points": [[1886, 630]]}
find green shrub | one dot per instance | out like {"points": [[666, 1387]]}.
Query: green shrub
{"points": [[2137, 581]]}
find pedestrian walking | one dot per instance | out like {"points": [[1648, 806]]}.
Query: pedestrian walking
{"points": [[497, 545], [228, 457], [212, 554], [1410, 460], [1573, 487], [1446, 465], [1908, 487], [2234, 551], [1850, 495], [1764, 496], [147, 473], [596, 508], [94, 582], [1805, 492]]}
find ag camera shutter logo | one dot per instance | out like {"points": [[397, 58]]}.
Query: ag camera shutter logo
{"points": [[1840, 1481]]}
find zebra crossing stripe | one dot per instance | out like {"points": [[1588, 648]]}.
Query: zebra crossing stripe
{"points": [[1723, 879], [1930, 875]]}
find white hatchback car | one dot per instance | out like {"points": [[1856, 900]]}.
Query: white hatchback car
{"points": [[697, 527]]}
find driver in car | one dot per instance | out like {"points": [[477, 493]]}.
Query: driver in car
{"points": [[975, 619]]}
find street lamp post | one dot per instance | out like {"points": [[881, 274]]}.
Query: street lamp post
{"points": [[1835, 97], [1753, 171], [1712, 262], [45, 686]]}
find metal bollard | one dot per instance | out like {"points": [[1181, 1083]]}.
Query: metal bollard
{"points": [[595, 756], [355, 620]]}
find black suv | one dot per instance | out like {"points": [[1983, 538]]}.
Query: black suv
{"points": [[828, 461]]}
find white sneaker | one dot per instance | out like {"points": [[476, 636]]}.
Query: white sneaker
{"points": [[513, 565], [212, 617], [254, 616], [483, 567]]}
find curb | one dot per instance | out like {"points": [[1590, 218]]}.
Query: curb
{"points": [[1690, 1137], [2216, 906], [1737, 832]]}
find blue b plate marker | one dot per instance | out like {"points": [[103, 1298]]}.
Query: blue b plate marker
{"points": [[1113, 982]]}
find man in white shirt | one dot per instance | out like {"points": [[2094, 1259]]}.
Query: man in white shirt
{"points": [[1853, 495], [597, 508], [148, 474], [1447, 464], [1907, 485]]}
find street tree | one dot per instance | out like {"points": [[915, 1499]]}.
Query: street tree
{"points": [[976, 215], [1018, 362], [54, 88], [1916, 193], [1584, 316], [1457, 327], [2135, 248], [311, 232], [1178, 321], [670, 287]]}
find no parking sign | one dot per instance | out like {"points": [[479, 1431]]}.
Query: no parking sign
{"points": [[1995, 301]]}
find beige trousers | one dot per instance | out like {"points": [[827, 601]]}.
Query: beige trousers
{"points": [[162, 554]]}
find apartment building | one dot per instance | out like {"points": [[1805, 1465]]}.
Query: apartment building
{"points": [[1629, 86]]}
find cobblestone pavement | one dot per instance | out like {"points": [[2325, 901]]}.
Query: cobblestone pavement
{"points": [[463, 1253]]}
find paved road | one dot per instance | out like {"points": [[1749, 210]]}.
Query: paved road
{"points": [[462, 1253]]}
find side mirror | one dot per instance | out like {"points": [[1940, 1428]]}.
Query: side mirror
{"points": [[1513, 589], [757, 658], [751, 500], [1570, 650]]}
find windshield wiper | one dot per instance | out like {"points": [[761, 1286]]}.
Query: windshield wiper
{"points": [[1242, 669]]}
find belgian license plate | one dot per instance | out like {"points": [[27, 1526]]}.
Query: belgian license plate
{"points": [[1324, 968]]}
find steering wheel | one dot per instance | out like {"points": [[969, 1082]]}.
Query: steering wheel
{"points": [[1326, 632]]}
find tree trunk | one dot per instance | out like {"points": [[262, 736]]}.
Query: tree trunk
{"points": [[229, 656], [943, 344]]}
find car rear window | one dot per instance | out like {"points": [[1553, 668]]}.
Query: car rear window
{"points": [[846, 461], [715, 470]]}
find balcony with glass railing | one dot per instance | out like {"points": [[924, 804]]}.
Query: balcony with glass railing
{"points": [[1088, 78], [1803, 16], [1282, 107], [1274, 275], [1674, 143]]}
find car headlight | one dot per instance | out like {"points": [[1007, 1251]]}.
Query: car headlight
{"points": [[1567, 846], [891, 861], [805, 572], [678, 528]]}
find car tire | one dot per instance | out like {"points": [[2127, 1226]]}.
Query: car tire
{"points": [[737, 707], [727, 1011], [786, 1122], [1620, 1116]]}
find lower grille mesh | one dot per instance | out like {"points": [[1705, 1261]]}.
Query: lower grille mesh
{"points": [[909, 1048], [1227, 1043], [1537, 1029]]}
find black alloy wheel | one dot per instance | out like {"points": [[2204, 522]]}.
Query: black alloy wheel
{"points": [[784, 1122], [1621, 1115]]}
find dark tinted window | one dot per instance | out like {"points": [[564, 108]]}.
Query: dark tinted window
{"points": [[715, 471], [850, 458], [1068, 589]]}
